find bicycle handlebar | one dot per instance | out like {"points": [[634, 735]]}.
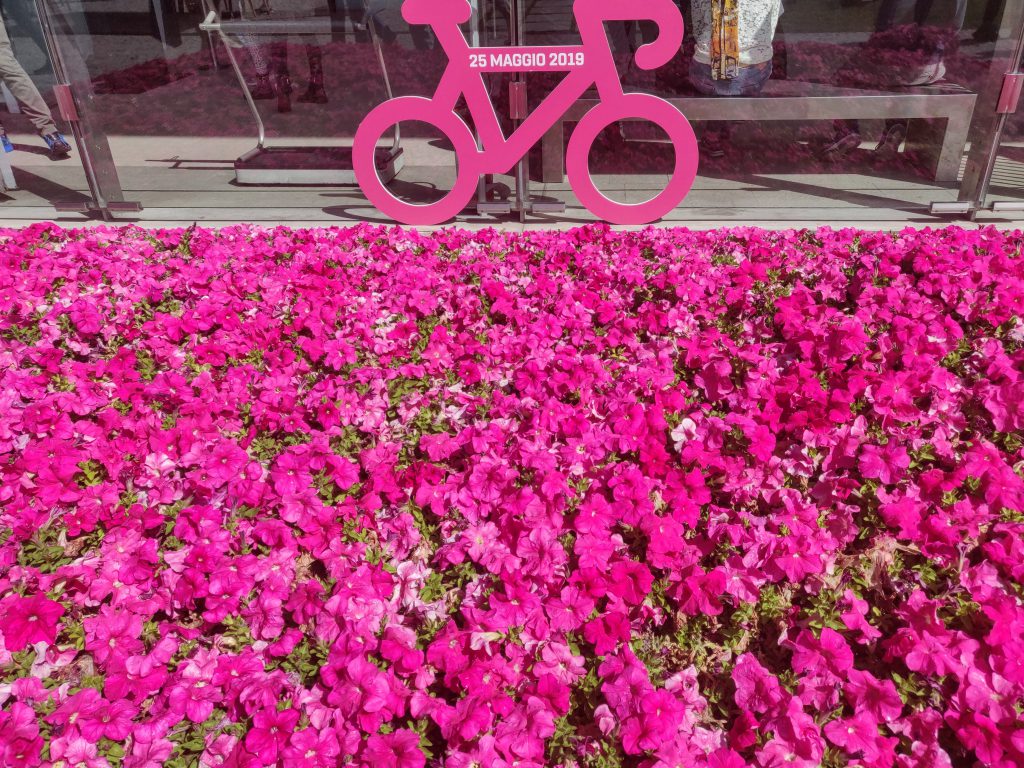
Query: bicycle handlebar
{"points": [[664, 13]]}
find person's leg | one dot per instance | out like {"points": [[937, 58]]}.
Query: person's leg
{"points": [[23, 89], [988, 30], [23, 12], [315, 93], [282, 78], [263, 89], [356, 13], [714, 134], [892, 13]]}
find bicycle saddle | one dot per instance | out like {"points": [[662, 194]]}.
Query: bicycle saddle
{"points": [[437, 11]]}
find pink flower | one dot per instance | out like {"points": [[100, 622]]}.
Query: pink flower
{"points": [[827, 654], [797, 740], [149, 754], [715, 378], [855, 618], [344, 472], [366, 689], [856, 735], [658, 721], [756, 689], [557, 660], [878, 697], [77, 752], [489, 480], [270, 732], [338, 354], [193, 695], [399, 749], [310, 748], [725, 758], [605, 719], [887, 463], [399, 647], [113, 634], [631, 581], [29, 620], [225, 462], [110, 719], [20, 743], [700, 591], [54, 463], [77, 707], [86, 317], [606, 632], [569, 609], [290, 473]]}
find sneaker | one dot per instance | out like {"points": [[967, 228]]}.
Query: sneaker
{"points": [[841, 144], [262, 89], [930, 74], [284, 90], [891, 139], [58, 145], [315, 94], [5, 141], [711, 146]]}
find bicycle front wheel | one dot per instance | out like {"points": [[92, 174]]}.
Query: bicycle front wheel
{"points": [[381, 121], [632, 106]]}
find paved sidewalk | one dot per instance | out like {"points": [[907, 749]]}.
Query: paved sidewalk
{"points": [[181, 180]]}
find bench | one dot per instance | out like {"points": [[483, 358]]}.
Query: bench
{"points": [[939, 117]]}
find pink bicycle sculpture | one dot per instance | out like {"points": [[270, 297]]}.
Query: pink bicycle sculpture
{"points": [[587, 64]]}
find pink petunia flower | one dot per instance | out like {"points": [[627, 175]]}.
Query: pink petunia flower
{"points": [[756, 689], [110, 719], [270, 732], [311, 748], [29, 620], [607, 631], [20, 743], [856, 735], [399, 749], [886, 463]]}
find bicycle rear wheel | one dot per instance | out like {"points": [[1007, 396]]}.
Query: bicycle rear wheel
{"points": [[379, 122], [632, 106]]}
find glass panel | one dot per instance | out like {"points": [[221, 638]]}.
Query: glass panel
{"points": [[248, 119], [827, 109], [36, 177], [1005, 189], [814, 110]]}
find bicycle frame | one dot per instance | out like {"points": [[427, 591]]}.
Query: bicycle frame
{"points": [[500, 153], [491, 152]]}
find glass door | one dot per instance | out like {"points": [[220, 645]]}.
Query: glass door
{"points": [[67, 39], [993, 178], [46, 162]]}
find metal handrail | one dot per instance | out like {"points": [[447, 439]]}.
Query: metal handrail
{"points": [[315, 25]]}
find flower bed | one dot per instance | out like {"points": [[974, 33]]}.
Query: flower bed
{"points": [[371, 497]]}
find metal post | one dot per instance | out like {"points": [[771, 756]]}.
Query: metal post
{"points": [[524, 202], [518, 23], [986, 135]]}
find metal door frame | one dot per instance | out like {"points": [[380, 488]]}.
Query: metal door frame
{"points": [[75, 100], [997, 100]]}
